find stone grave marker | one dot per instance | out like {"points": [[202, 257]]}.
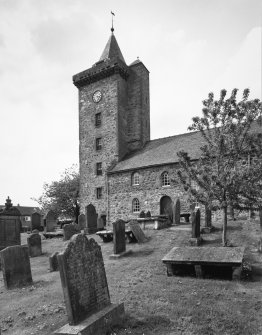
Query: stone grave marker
{"points": [[137, 231], [195, 239], [50, 221], [82, 221], [34, 244], [53, 262], [91, 219], [70, 230], [9, 231], [119, 239], [35, 221], [85, 289], [16, 266], [176, 212], [100, 223]]}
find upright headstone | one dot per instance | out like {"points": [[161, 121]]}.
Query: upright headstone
{"points": [[34, 244], [119, 239], [100, 223], [16, 266], [208, 217], [195, 239], [53, 262], [176, 212], [91, 219], [70, 230], [137, 231], [85, 288], [50, 221], [35, 221], [82, 221]]}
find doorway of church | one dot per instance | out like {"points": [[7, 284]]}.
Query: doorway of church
{"points": [[165, 205]]}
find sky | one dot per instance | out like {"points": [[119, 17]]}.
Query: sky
{"points": [[190, 47]]}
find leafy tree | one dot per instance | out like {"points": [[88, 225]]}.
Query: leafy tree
{"points": [[231, 134], [62, 196]]}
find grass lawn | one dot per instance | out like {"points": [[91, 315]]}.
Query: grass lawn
{"points": [[154, 303]]}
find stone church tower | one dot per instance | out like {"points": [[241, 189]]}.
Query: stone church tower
{"points": [[114, 120]]}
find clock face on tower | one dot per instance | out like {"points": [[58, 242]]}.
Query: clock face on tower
{"points": [[97, 96]]}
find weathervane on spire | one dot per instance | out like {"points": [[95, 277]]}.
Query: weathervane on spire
{"points": [[112, 29]]}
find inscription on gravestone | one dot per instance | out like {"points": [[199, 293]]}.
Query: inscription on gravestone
{"points": [[16, 266], [83, 278], [70, 230], [34, 244], [119, 236], [91, 219]]}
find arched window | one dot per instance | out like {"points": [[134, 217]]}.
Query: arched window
{"points": [[135, 205], [165, 179], [135, 178]]}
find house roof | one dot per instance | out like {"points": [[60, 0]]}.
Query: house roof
{"points": [[24, 210], [162, 151]]}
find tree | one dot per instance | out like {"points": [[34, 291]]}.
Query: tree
{"points": [[62, 196], [230, 130]]}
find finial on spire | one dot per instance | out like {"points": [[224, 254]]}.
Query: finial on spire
{"points": [[112, 29]]}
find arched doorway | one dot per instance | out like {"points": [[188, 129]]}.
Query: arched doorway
{"points": [[165, 205]]}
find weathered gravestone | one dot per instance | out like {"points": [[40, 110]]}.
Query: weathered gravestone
{"points": [[34, 244], [82, 221], [91, 219], [208, 221], [100, 223], [70, 230], [53, 262], [35, 221], [85, 288], [16, 266], [50, 220], [137, 231], [176, 212], [119, 239], [195, 239]]}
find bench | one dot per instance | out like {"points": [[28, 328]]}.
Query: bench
{"points": [[202, 259]]}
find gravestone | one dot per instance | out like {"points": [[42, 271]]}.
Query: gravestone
{"points": [[176, 212], [119, 239], [100, 223], [34, 244], [16, 266], [70, 230], [50, 220], [82, 221], [137, 231], [85, 289], [195, 239], [36, 221], [53, 262], [91, 219]]}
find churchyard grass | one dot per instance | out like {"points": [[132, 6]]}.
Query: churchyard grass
{"points": [[154, 303]]}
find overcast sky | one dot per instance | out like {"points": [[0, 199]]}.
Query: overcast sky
{"points": [[190, 47]]}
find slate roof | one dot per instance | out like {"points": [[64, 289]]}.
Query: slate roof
{"points": [[24, 210], [162, 151]]}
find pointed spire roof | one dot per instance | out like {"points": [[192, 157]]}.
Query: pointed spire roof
{"points": [[112, 50]]}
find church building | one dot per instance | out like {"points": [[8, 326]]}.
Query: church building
{"points": [[123, 171]]}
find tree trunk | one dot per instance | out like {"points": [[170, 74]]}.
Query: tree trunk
{"points": [[224, 233]]}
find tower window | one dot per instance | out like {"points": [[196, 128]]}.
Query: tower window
{"points": [[165, 179], [99, 169], [135, 178], [98, 143], [98, 120], [135, 205], [99, 192]]}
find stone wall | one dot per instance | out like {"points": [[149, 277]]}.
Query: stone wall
{"points": [[148, 192]]}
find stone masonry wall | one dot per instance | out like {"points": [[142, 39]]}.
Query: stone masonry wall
{"points": [[148, 192]]}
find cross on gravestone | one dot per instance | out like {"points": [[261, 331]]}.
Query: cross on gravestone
{"points": [[137, 231], [34, 244], [85, 286], [35, 221], [70, 230], [82, 221], [91, 219], [50, 221], [176, 212], [119, 237], [16, 266]]}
